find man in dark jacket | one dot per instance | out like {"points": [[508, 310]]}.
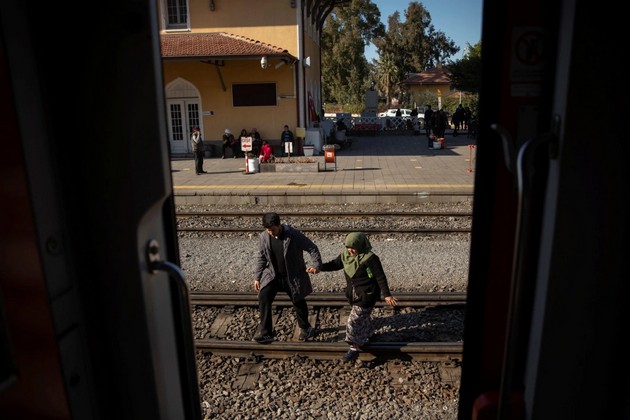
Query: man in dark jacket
{"points": [[280, 266], [196, 142], [428, 123]]}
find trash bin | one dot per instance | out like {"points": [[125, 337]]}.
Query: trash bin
{"points": [[252, 165], [329, 155], [309, 150]]}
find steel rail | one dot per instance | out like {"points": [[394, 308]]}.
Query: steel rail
{"points": [[325, 230], [325, 299], [315, 214], [442, 351]]}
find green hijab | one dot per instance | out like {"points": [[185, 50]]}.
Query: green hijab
{"points": [[360, 242]]}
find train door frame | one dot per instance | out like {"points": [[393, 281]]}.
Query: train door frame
{"points": [[547, 293], [101, 219], [515, 103]]}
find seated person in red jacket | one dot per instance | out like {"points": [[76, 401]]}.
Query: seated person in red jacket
{"points": [[266, 152]]}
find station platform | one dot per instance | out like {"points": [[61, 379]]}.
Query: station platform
{"points": [[375, 169]]}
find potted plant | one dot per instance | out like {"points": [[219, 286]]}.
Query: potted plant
{"points": [[309, 149], [291, 164]]}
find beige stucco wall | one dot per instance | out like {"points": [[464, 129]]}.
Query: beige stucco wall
{"points": [[312, 77], [272, 22], [269, 120], [420, 92]]}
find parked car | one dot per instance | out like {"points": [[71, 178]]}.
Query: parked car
{"points": [[405, 113]]}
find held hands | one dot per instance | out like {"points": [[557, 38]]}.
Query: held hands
{"points": [[391, 300], [311, 270]]}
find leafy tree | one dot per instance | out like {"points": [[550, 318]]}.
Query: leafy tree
{"points": [[465, 76], [346, 32], [392, 57], [410, 46], [413, 45], [466, 73], [415, 40], [442, 48]]}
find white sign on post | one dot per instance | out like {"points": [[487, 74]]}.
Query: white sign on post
{"points": [[246, 144]]}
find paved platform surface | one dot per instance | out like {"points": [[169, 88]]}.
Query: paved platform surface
{"points": [[376, 169]]}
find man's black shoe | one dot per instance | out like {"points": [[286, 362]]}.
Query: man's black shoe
{"points": [[307, 333], [263, 339]]}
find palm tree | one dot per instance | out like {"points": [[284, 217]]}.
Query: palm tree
{"points": [[386, 74]]}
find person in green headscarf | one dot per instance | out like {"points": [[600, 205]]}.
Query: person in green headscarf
{"points": [[365, 282]]}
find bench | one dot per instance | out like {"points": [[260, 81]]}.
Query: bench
{"points": [[215, 146]]}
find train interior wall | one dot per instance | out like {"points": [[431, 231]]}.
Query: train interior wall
{"points": [[547, 287], [92, 318]]}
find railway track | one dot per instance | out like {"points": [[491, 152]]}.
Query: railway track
{"points": [[329, 345], [425, 352], [414, 300], [324, 230], [374, 222], [354, 214]]}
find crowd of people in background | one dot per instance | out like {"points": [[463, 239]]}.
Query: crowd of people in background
{"points": [[461, 119], [259, 147], [436, 122], [229, 142]]}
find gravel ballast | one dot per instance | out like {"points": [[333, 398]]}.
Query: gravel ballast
{"points": [[300, 388]]}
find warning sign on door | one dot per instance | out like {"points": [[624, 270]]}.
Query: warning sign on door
{"points": [[527, 55]]}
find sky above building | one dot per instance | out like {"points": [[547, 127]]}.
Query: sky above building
{"points": [[459, 20]]}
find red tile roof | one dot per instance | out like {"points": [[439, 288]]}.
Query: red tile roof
{"points": [[437, 76], [215, 45]]}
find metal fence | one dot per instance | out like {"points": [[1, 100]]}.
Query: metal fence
{"points": [[359, 124]]}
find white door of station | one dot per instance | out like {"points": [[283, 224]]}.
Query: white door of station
{"points": [[183, 117], [183, 106]]}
